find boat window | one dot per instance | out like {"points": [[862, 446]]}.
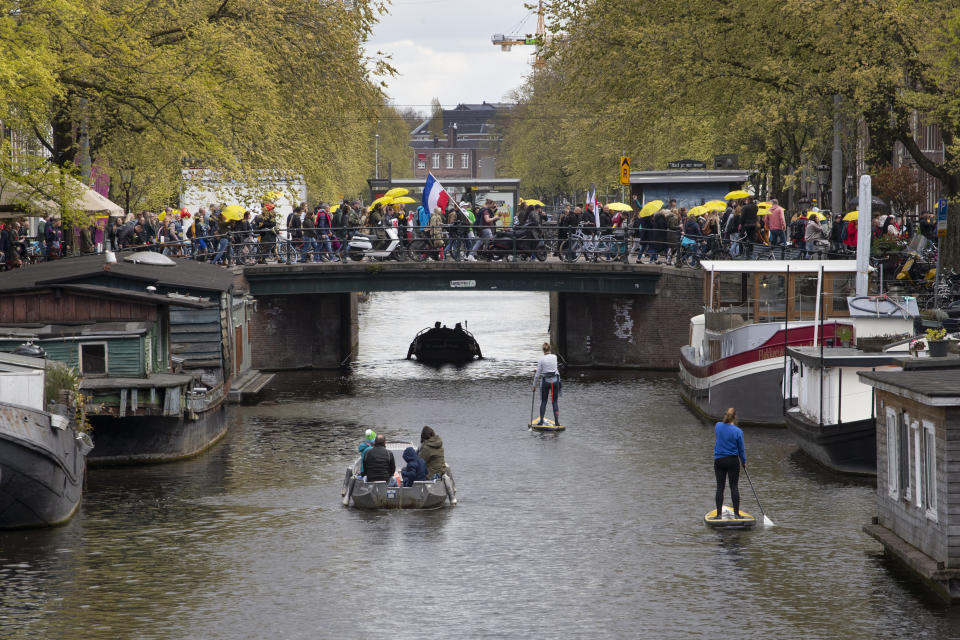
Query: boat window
{"points": [[930, 469], [93, 359], [804, 296], [844, 284], [893, 474], [771, 296]]}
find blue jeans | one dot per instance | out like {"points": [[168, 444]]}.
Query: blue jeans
{"points": [[327, 247], [221, 250], [777, 237], [485, 234]]}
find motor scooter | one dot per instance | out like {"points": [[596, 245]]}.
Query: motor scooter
{"points": [[381, 244]]}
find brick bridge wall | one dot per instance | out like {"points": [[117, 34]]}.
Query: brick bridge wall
{"points": [[627, 332], [309, 331]]}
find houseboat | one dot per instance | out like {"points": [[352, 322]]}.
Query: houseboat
{"points": [[829, 410], [753, 311], [43, 448], [156, 342], [918, 473]]}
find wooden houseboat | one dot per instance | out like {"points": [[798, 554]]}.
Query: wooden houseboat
{"points": [[918, 473], [157, 346]]}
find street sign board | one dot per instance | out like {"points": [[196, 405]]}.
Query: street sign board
{"points": [[942, 218], [625, 170]]}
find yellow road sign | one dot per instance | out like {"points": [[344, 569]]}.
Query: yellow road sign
{"points": [[625, 170]]}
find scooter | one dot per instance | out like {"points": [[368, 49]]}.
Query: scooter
{"points": [[382, 244]]}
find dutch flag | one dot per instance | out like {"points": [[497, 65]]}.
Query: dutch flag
{"points": [[434, 195]]}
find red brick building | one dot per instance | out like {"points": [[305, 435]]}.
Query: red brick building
{"points": [[469, 148]]}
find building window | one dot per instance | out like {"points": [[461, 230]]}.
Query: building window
{"points": [[464, 160], [930, 469], [421, 164], [893, 473], [93, 359], [435, 164], [449, 161], [903, 428]]}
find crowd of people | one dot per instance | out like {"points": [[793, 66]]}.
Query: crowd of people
{"points": [[323, 233]]}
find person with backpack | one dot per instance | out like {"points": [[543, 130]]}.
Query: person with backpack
{"points": [[837, 233], [485, 221], [798, 230]]}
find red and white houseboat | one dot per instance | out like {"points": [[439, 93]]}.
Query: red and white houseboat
{"points": [[753, 311]]}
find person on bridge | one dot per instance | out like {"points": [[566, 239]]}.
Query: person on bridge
{"points": [[728, 454], [378, 462], [548, 377]]}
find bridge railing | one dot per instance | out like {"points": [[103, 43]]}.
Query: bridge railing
{"points": [[449, 242]]}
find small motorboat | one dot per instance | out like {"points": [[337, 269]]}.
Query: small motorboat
{"points": [[427, 494], [443, 345], [548, 425], [729, 521]]}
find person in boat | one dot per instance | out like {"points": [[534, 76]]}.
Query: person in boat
{"points": [[367, 443], [728, 455], [416, 468], [548, 377], [378, 462], [431, 450]]}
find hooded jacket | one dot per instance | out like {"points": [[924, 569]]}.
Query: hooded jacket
{"points": [[431, 451], [416, 468], [362, 448], [423, 217]]}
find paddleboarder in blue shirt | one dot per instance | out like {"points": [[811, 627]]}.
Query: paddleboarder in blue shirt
{"points": [[728, 455]]}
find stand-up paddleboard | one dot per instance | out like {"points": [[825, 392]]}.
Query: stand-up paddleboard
{"points": [[728, 521], [548, 425]]}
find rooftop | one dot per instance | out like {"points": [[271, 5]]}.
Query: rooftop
{"points": [[185, 274], [469, 118], [938, 387]]}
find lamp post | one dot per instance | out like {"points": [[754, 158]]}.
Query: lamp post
{"points": [[126, 180], [823, 178], [377, 152]]}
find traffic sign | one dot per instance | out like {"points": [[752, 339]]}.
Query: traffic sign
{"points": [[942, 218], [625, 170]]}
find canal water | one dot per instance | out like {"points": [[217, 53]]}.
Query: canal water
{"points": [[596, 532]]}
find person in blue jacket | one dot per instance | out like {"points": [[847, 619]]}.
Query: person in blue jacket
{"points": [[728, 455], [416, 468], [368, 437], [423, 220]]}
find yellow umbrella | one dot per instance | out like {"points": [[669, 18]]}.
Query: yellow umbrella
{"points": [[715, 205], [696, 211], [535, 203], [396, 191], [404, 200], [161, 216], [650, 208], [816, 215], [272, 195], [619, 206], [384, 200], [232, 212], [736, 195], [853, 215], [334, 208]]}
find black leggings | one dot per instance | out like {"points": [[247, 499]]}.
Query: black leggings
{"points": [[724, 467], [546, 390]]}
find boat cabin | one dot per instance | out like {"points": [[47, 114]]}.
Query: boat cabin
{"points": [[918, 473]]}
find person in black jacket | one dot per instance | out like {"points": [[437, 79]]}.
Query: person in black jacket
{"points": [[748, 225], [378, 462]]}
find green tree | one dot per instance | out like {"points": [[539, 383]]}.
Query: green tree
{"points": [[436, 118]]}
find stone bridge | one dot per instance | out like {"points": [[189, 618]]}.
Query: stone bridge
{"points": [[609, 315]]}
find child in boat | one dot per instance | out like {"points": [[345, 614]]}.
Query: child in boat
{"points": [[368, 437], [416, 468]]}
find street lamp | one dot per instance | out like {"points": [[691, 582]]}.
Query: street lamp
{"points": [[823, 178], [126, 180]]}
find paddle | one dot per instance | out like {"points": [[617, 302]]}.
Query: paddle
{"points": [[533, 398], [767, 522]]}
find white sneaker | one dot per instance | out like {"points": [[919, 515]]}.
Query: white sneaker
{"points": [[471, 259]]}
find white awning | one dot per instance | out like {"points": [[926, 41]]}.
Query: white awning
{"points": [[12, 193]]}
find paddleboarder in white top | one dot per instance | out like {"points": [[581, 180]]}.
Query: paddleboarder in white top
{"points": [[548, 376]]}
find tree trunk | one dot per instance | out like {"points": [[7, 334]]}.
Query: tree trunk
{"points": [[64, 146]]}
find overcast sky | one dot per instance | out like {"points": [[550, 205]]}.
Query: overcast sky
{"points": [[442, 48]]}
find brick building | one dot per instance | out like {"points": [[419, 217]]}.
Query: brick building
{"points": [[470, 146]]}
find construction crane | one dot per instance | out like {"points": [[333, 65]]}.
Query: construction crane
{"points": [[506, 42]]}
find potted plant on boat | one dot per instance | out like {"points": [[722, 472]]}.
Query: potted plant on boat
{"points": [[936, 340]]}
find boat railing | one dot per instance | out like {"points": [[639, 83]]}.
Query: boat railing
{"points": [[423, 331], [199, 400]]}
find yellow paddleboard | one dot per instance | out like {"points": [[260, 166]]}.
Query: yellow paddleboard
{"points": [[728, 520], [547, 425]]}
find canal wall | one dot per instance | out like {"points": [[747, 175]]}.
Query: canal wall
{"points": [[307, 331], [627, 331]]}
